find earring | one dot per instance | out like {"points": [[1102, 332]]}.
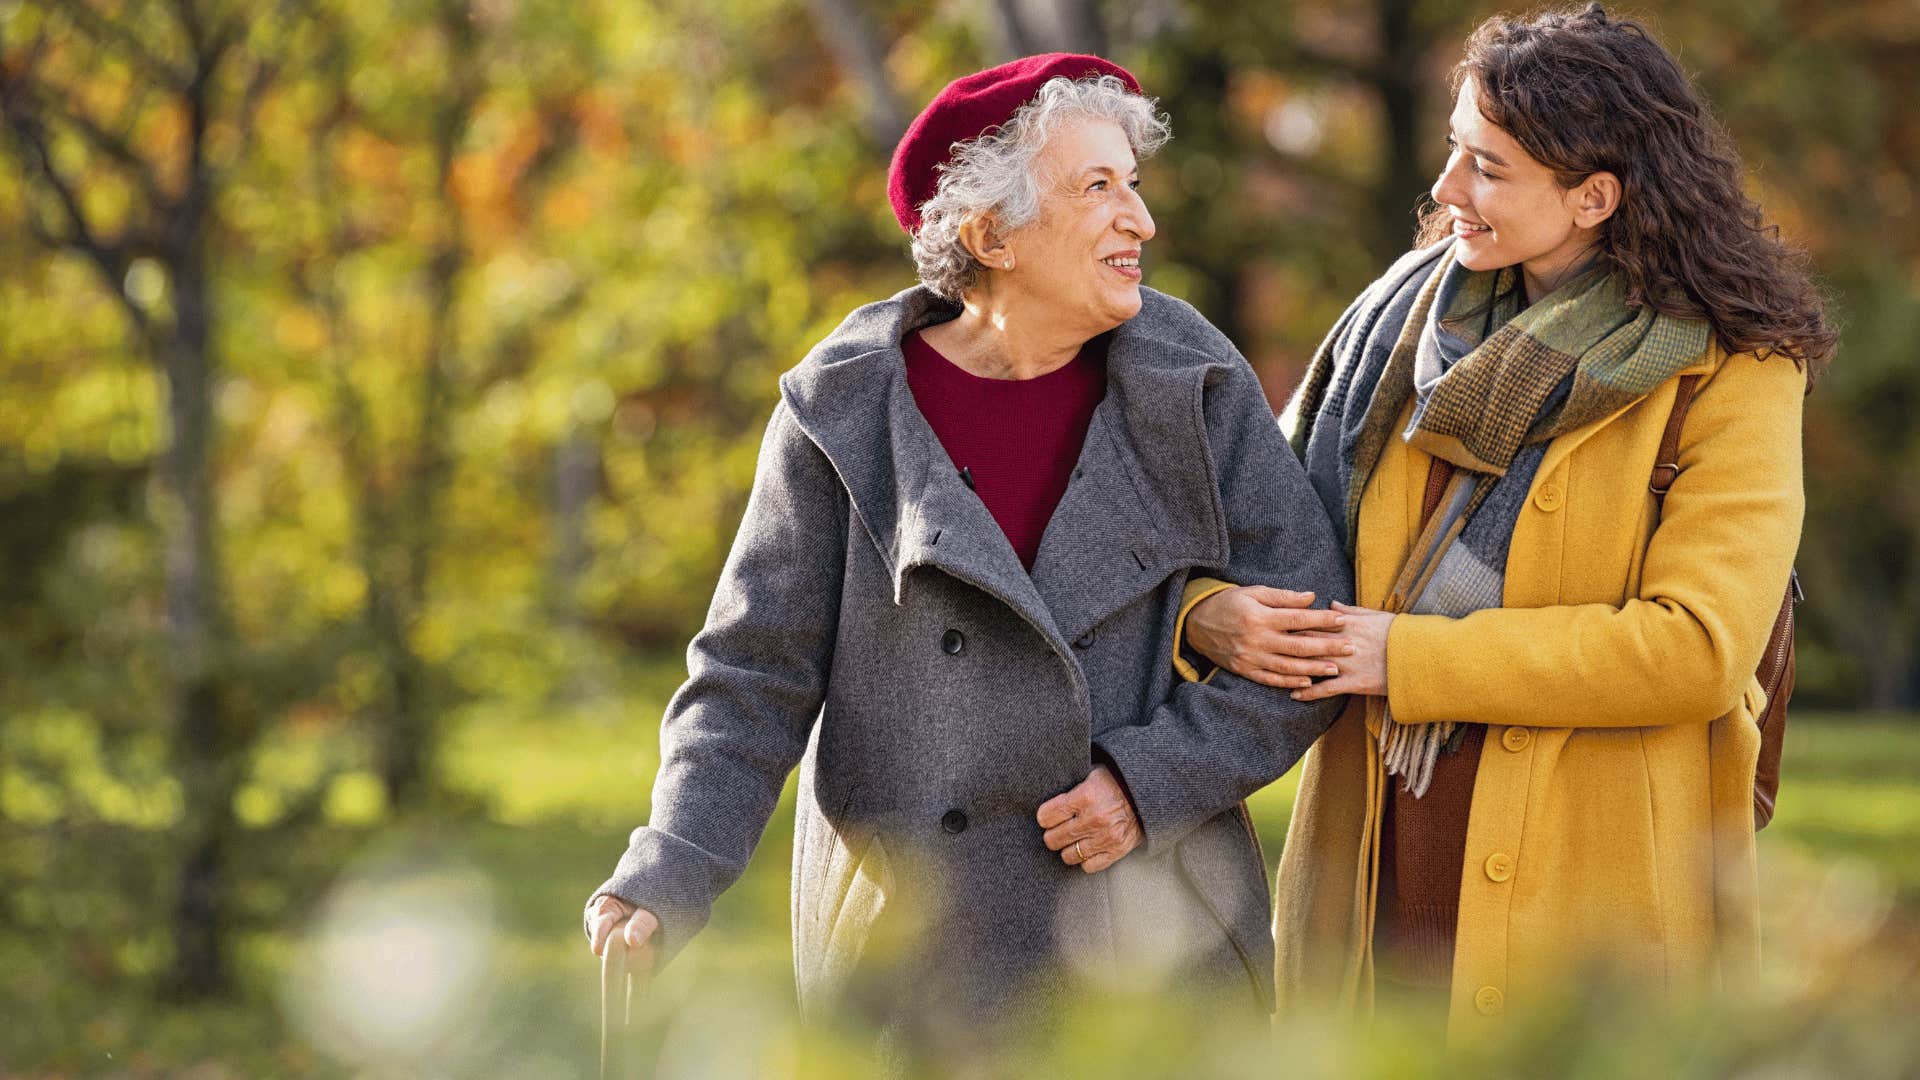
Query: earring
{"points": [[1009, 264]]}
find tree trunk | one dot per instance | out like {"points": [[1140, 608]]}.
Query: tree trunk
{"points": [[208, 739], [863, 57], [1037, 26], [1402, 87], [412, 734]]}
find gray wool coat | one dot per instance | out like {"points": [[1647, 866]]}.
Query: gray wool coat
{"points": [[874, 626]]}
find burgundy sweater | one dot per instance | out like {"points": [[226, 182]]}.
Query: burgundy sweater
{"points": [[1015, 440]]}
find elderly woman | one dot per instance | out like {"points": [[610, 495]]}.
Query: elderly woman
{"points": [[952, 603], [1563, 440]]}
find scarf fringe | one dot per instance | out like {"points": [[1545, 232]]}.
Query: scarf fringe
{"points": [[1409, 751]]}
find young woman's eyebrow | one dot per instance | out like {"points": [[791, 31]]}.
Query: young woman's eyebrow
{"points": [[1477, 151]]}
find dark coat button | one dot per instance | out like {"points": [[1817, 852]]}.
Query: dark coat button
{"points": [[952, 642], [954, 821], [1085, 641]]}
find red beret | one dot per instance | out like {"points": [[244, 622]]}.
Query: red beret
{"points": [[967, 109]]}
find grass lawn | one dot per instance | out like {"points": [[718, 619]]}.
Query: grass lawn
{"points": [[486, 907]]}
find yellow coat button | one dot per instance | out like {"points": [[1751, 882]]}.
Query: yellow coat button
{"points": [[1499, 866], [1489, 1000], [1516, 739], [1548, 497]]}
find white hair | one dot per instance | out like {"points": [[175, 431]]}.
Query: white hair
{"points": [[993, 174]]}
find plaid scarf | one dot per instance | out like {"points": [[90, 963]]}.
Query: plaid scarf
{"points": [[1492, 380]]}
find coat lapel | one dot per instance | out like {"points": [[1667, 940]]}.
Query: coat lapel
{"points": [[1143, 501], [851, 397], [944, 525]]}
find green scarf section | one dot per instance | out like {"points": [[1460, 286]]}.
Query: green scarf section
{"points": [[1506, 359]]}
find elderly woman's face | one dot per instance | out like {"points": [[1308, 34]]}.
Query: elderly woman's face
{"points": [[1081, 255]]}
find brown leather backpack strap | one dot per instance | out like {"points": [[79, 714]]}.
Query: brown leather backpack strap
{"points": [[1666, 466], [1775, 670]]}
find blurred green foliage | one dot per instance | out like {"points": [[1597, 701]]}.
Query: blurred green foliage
{"points": [[484, 305], [552, 792]]}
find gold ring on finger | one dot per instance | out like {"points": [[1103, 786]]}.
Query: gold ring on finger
{"points": [[1077, 853]]}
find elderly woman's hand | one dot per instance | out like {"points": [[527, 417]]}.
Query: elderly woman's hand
{"points": [[1093, 824], [1270, 636], [611, 915]]}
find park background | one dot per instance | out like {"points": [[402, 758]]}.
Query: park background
{"points": [[380, 386]]}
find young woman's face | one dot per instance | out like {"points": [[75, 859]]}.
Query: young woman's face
{"points": [[1081, 256], [1508, 209]]}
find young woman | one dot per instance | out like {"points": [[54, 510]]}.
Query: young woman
{"points": [[1547, 764]]}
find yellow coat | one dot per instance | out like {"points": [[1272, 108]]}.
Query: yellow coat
{"points": [[1612, 817]]}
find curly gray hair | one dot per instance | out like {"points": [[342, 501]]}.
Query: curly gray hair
{"points": [[994, 173]]}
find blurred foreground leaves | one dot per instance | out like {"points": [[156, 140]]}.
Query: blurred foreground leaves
{"points": [[466, 925]]}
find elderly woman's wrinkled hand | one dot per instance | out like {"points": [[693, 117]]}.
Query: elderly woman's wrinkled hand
{"points": [[1092, 825], [1270, 636], [611, 915]]}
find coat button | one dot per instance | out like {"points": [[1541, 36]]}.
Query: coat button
{"points": [[1488, 1000], [1516, 739], [952, 642], [1548, 497], [1085, 641], [954, 821], [1499, 866]]}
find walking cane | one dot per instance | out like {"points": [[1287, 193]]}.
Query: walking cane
{"points": [[616, 1010]]}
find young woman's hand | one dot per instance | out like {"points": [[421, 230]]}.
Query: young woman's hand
{"points": [[1270, 636], [1363, 667]]}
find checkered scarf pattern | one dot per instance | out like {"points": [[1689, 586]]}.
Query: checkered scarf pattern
{"points": [[1492, 381]]}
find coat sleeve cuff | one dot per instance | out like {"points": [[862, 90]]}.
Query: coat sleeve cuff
{"points": [[1160, 825], [1191, 666], [1419, 688], [664, 875]]}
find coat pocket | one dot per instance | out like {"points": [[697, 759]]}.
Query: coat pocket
{"points": [[1221, 863], [854, 887]]}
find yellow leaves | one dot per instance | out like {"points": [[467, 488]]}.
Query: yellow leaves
{"points": [[355, 798], [435, 638], [686, 145], [109, 410], [366, 158], [597, 116], [161, 137], [145, 283], [340, 591], [487, 183], [571, 205], [68, 773], [299, 329]]}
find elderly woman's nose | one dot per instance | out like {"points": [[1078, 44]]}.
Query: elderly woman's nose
{"points": [[1134, 219]]}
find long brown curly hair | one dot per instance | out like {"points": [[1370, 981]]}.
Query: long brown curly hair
{"points": [[1584, 92]]}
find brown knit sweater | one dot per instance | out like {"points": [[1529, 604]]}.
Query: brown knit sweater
{"points": [[1423, 843]]}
